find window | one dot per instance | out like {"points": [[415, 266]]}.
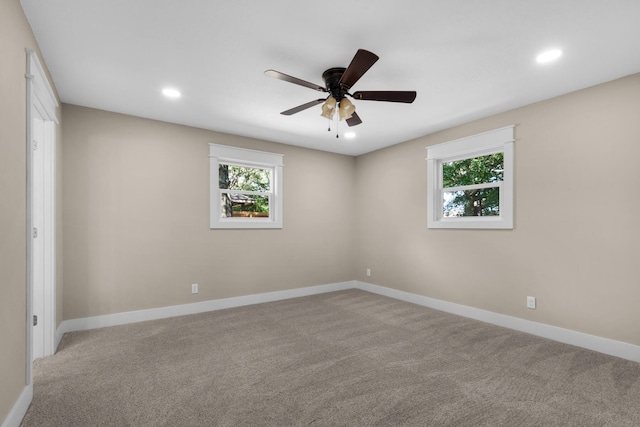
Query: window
{"points": [[246, 188], [470, 181]]}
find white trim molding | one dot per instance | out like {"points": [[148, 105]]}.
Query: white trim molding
{"points": [[591, 342], [19, 409], [222, 154], [194, 308], [40, 88], [483, 144], [579, 339]]}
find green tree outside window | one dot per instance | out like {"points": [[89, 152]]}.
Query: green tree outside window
{"points": [[481, 172], [251, 186]]}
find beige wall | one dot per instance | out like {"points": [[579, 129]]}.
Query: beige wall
{"points": [[15, 36], [136, 218], [576, 239]]}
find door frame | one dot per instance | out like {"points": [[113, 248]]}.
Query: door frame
{"points": [[42, 104]]}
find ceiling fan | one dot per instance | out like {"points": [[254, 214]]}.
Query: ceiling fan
{"points": [[337, 83]]}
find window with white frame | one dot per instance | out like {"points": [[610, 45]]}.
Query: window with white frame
{"points": [[470, 181], [246, 188]]}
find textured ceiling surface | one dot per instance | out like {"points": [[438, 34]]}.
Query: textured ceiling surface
{"points": [[466, 60]]}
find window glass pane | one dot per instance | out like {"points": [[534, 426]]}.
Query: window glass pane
{"points": [[477, 170], [481, 202], [242, 206], [234, 177], [246, 188]]}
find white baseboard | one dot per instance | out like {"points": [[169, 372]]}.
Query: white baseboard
{"points": [[603, 345], [193, 308], [20, 408], [58, 337], [591, 342]]}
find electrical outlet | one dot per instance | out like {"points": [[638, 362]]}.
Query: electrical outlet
{"points": [[194, 288], [531, 303], [368, 272]]}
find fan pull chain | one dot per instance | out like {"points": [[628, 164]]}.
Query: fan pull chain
{"points": [[337, 123]]}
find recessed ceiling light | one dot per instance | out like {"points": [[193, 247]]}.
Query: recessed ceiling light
{"points": [[350, 135], [548, 56], [171, 93]]}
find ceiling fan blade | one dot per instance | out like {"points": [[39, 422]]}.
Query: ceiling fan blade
{"points": [[354, 120], [361, 62], [287, 78], [386, 95], [302, 107]]}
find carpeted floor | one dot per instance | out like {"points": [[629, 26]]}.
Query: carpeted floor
{"points": [[348, 358]]}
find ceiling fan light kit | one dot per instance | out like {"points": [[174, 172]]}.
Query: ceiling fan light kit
{"points": [[329, 107], [338, 81], [347, 109]]}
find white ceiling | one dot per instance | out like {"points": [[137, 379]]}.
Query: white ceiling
{"points": [[466, 59]]}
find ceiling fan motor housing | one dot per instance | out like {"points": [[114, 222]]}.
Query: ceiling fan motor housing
{"points": [[331, 79]]}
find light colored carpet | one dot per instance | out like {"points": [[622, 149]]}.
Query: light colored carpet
{"points": [[348, 358]]}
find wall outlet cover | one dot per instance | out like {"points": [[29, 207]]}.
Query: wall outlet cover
{"points": [[531, 302]]}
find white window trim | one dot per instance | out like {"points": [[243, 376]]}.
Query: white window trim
{"points": [[495, 141], [242, 156]]}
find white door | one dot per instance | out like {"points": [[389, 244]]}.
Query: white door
{"points": [[42, 236], [41, 270], [38, 235], [42, 231]]}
